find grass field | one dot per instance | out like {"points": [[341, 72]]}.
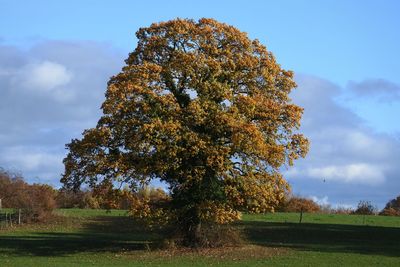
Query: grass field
{"points": [[98, 238]]}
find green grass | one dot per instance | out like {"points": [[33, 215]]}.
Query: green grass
{"points": [[368, 220], [100, 238], [90, 212]]}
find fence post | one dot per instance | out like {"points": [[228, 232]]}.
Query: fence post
{"points": [[301, 215], [19, 216], [6, 220], [10, 220]]}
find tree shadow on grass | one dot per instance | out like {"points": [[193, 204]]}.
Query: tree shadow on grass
{"points": [[118, 234], [370, 240], [100, 234]]}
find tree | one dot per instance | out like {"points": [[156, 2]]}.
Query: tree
{"points": [[204, 109], [300, 204], [365, 208]]}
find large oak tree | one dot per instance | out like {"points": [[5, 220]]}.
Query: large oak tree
{"points": [[204, 109]]}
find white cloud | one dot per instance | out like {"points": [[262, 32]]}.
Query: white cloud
{"points": [[323, 201], [44, 76], [291, 172], [351, 173], [48, 95], [344, 206], [355, 161], [33, 160]]}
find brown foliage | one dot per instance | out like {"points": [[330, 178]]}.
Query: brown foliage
{"points": [[76, 199], [36, 201], [41, 202], [12, 189], [342, 210], [298, 204], [390, 212], [392, 208]]}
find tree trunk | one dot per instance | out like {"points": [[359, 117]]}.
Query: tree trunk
{"points": [[195, 235], [191, 229]]}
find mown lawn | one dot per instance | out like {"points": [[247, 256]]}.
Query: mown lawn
{"points": [[98, 238]]}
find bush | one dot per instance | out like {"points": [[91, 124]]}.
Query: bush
{"points": [[76, 199], [392, 208], [41, 203], [12, 188], [389, 212], [365, 208], [298, 204], [36, 201], [107, 197], [343, 210]]}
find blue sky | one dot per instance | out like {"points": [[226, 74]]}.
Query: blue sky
{"points": [[344, 53], [338, 40]]}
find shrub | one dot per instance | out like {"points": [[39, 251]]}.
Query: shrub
{"points": [[390, 212], [343, 210], [365, 208], [76, 199], [12, 188], [326, 209], [40, 203], [392, 208], [36, 201]]}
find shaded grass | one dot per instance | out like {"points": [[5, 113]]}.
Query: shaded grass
{"points": [[97, 234], [371, 240]]}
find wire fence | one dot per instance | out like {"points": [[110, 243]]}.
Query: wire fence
{"points": [[10, 218]]}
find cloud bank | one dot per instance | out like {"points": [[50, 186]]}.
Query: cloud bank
{"points": [[348, 161], [49, 94]]}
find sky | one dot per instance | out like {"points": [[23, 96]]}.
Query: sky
{"points": [[57, 56]]}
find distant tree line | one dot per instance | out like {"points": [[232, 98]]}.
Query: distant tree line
{"points": [[37, 201], [364, 207]]}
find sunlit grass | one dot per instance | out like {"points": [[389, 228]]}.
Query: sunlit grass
{"points": [[283, 217]]}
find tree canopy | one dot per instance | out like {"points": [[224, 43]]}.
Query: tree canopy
{"points": [[204, 109]]}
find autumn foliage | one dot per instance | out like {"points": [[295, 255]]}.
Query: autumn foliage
{"points": [[78, 199], [300, 204], [204, 109], [392, 208], [36, 201]]}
